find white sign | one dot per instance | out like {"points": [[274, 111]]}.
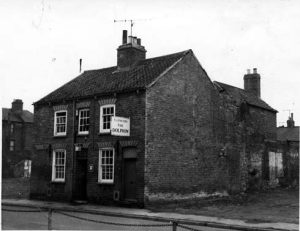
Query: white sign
{"points": [[120, 126]]}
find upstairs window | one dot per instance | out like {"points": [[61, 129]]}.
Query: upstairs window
{"points": [[12, 145], [59, 165], [106, 112], [84, 121], [60, 123], [11, 128], [106, 166]]}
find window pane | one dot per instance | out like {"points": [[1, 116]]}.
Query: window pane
{"points": [[106, 166], [84, 120], [61, 122], [59, 165]]}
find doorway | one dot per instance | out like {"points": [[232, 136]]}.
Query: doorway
{"points": [[129, 155], [81, 179]]}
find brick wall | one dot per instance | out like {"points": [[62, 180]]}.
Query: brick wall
{"points": [[183, 137], [127, 105], [290, 155], [22, 136], [15, 188]]}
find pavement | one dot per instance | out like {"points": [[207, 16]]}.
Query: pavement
{"points": [[147, 214]]}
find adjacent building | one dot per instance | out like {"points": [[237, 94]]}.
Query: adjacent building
{"points": [[288, 146], [17, 140], [189, 137]]}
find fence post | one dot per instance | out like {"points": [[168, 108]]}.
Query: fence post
{"points": [[174, 225], [50, 219]]}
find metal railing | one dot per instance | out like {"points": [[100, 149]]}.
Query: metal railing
{"points": [[173, 224]]}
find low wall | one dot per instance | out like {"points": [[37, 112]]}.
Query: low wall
{"points": [[15, 188]]}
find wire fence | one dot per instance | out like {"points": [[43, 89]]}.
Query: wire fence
{"points": [[173, 225]]}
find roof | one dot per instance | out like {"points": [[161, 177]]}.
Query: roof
{"points": [[111, 80], [25, 116], [241, 95], [288, 133]]}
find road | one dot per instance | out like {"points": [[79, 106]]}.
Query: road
{"points": [[39, 220]]}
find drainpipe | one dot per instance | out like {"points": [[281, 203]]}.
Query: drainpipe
{"points": [[73, 152], [94, 121]]}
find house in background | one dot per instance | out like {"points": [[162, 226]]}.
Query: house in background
{"points": [[288, 146], [189, 137], [17, 140], [250, 127]]}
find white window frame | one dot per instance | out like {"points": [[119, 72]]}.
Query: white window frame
{"points": [[54, 179], [79, 120], [106, 181], [11, 145], [102, 130], [55, 123], [12, 127]]}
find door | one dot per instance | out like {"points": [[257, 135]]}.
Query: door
{"points": [[272, 167], [130, 179], [81, 171], [275, 166]]}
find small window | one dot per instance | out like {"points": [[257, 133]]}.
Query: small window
{"points": [[11, 128], [12, 145], [106, 112], [60, 123], [106, 166], [84, 121], [59, 165]]}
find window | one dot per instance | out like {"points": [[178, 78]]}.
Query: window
{"points": [[84, 121], [12, 145], [60, 123], [106, 112], [59, 165], [106, 165], [11, 128]]}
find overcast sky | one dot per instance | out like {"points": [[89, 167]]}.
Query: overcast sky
{"points": [[42, 41]]}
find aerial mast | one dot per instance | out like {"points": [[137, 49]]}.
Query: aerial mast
{"points": [[127, 20]]}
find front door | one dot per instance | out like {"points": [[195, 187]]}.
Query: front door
{"points": [[81, 170], [130, 179]]}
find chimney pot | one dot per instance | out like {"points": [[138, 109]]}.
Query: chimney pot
{"points": [[254, 70], [124, 38], [248, 71], [80, 65]]}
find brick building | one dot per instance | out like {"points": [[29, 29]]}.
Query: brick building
{"points": [[288, 147], [189, 137], [17, 140]]}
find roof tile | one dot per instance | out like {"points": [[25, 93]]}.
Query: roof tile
{"points": [[110, 80], [241, 95]]}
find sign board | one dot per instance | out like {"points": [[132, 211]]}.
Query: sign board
{"points": [[120, 126]]}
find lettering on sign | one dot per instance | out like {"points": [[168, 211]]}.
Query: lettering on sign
{"points": [[120, 126]]}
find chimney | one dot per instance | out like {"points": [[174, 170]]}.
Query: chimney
{"points": [[124, 38], [290, 122], [252, 82], [17, 106], [130, 52]]}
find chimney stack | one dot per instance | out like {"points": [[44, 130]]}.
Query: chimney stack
{"points": [[17, 106], [130, 52], [290, 121], [252, 82]]}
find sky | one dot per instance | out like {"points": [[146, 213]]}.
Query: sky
{"points": [[41, 42]]}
